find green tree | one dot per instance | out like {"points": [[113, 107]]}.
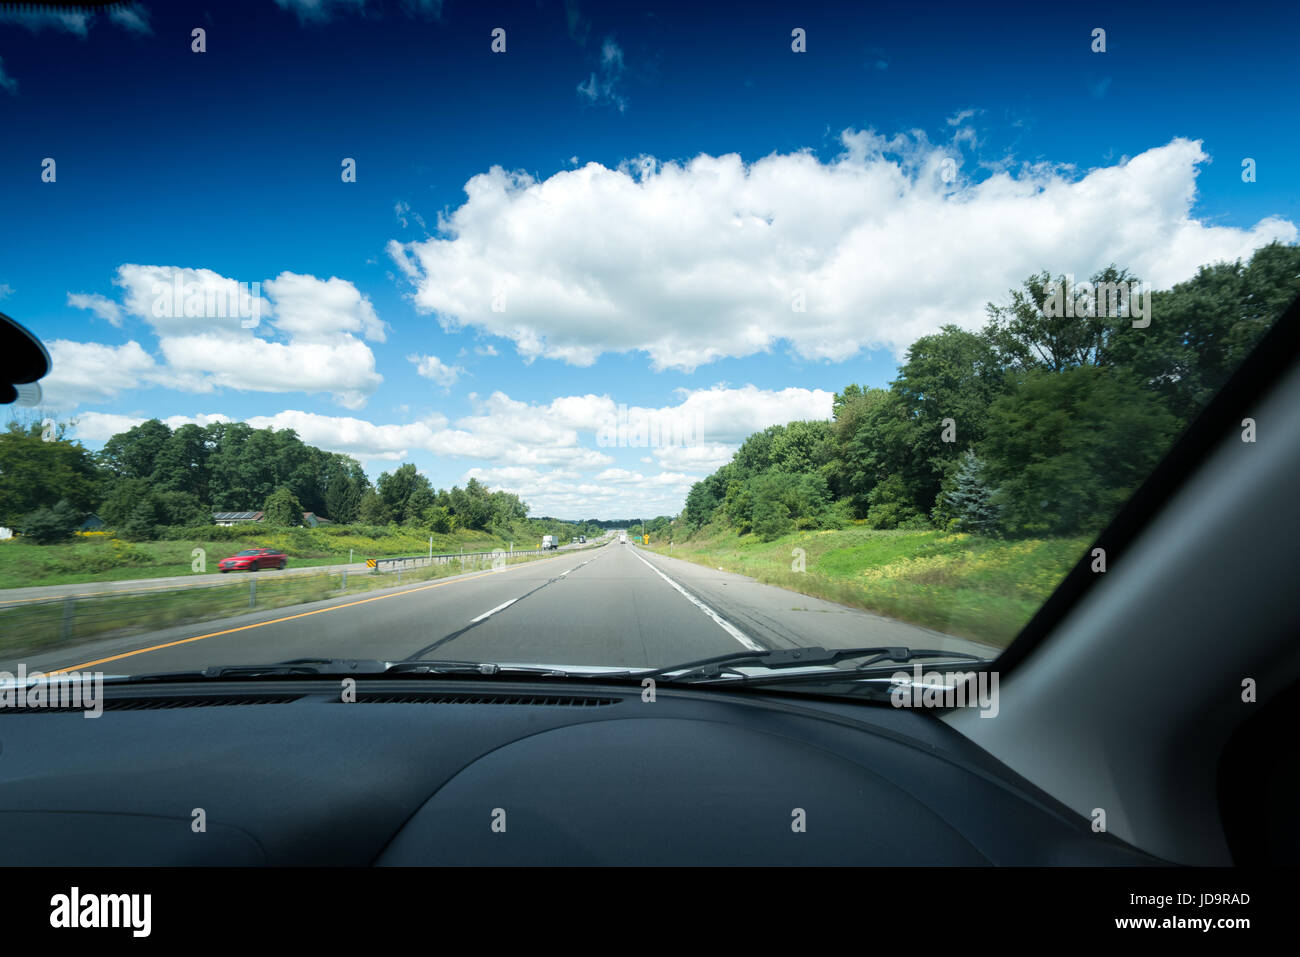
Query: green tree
{"points": [[181, 463], [739, 506], [176, 507], [967, 501], [282, 509], [142, 526], [396, 489], [946, 386], [47, 526], [343, 489], [1066, 449], [439, 520], [135, 452], [1201, 329], [1030, 332], [372, 510], [35, 473], [771, 519], [122, 497]]}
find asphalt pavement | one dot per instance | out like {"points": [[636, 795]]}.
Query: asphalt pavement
{"points": [[617, 605]]}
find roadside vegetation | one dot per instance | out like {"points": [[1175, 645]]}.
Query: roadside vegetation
{"points": [[954, 582], [100, 556], [961, 495], [151, 494]]}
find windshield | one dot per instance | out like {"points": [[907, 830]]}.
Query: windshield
{"points": [[570, 345]]}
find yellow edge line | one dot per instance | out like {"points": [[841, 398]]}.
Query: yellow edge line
{"points": [[274, 621]]}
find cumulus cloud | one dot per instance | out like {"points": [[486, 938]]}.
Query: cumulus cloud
{"points": [[211, 335], [308, 308], [559, 492], [101, 306], [711, 258], [345, 369], [101, 426], [92, 372], [177, 300], [434, 369]]}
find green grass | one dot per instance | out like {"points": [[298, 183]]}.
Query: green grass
{"points": [[103, 558], [967, 585], [65, 623]]}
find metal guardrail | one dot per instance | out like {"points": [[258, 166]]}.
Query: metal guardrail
{"points": [[467, 559], [470, 559]]}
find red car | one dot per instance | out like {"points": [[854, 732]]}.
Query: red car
{"points": [[251, 559]]}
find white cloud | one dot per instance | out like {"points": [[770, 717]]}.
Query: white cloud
{"points": [[177, 301], [434, 369], [199, 317], [692, 262], [101, 306], [308, 308], [356, 437], [8, 290], [344, 368], [101, 426], [560, 493], [93, 372]]}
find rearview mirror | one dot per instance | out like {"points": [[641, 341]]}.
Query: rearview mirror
{"points": [[23, 360]]}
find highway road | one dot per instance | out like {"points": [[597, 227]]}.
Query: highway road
{"points": [[31, 593], [617, 605]]}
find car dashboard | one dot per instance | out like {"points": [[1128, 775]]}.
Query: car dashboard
{"points": [[469, 772]]}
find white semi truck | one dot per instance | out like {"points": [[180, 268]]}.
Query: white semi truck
{"points": [[548, 541]]}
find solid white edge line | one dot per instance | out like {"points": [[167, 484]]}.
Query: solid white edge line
{"points": [[721, 622], [489, 614]]}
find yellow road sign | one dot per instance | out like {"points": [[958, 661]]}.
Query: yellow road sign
{"points": [[370, 563]]}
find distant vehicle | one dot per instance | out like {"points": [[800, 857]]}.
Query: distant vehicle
{"points": [[254, 559], [622, 538], [582, 539], [548, 542]]}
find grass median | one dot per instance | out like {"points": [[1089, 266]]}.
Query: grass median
{"points": [[42, 626], [965, 585]]}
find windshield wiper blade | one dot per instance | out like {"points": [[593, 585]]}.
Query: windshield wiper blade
{"points": [[708, 669], [315, 667], [476, 668], [279, 669]]}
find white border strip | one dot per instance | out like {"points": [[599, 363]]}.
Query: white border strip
{"points": [[489, 614], [722, 623]]}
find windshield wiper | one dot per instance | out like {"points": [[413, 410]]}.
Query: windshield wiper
{"points": [[296, 666], [726, 668], [356, 666]]}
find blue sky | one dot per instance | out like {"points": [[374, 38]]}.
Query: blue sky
{"points": [[650, 189]]}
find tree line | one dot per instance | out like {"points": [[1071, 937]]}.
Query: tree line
{"points": [[1038, 424], [152, 476]]}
